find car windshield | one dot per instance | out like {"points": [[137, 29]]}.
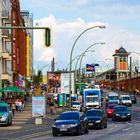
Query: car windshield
{"points": [[113, 102], [93, 113], [91, 99], [3, 109], [69, 116], [121, 109], [111, 107], [113, 98], [132, 97], [75, 103], [126, 98]]}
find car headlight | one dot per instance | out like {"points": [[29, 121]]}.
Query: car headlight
{"points": [[98, 121], [54, 125], [117, 114], [128, 114], [4, 116], [73, 125]]}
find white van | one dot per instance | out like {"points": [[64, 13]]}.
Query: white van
{"points": [[113, 97], [125, 100]]}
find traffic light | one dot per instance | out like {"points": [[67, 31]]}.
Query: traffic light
{"points": [[48, 37]]}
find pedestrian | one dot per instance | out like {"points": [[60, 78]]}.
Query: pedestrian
{"points": [[13, 108], [51, 105]]}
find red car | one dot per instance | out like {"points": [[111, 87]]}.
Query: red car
{"points": [[109, 110]]}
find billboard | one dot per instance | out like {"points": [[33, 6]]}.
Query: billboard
{"points": [[54, 82], [38, 106], [58, 82], [90, 68], [65, 79]]}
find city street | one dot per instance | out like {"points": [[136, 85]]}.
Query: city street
{"points": [[23, 127]]}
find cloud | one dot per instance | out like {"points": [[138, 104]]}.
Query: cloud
{"points": [[65, 33]]}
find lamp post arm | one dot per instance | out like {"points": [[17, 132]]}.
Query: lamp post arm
{"points": [[70, 69]]}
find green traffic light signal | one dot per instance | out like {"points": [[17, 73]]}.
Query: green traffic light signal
{"points": [[48, 37]]}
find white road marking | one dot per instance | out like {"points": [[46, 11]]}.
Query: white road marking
{"points": [[126, 129]]}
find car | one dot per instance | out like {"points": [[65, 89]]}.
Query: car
{"points": [[76, 105], [113, 96], [125, 100], [121, 112], [110, 109], [97, 118], [5, 114], [133, 99], [70, 122]]}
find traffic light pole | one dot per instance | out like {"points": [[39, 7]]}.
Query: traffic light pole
{"points": [[22, 27]]}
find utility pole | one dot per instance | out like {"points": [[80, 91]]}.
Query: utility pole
{"points": [[130, 76], [52, 65]]}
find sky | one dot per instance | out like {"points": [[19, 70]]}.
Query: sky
{"points": [[69, 18]]}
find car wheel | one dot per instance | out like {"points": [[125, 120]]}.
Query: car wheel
{"points": [[54, 134], [105, 125], [10, 123], [78, 131], [101, 126], [129, 119], [86, 131]]}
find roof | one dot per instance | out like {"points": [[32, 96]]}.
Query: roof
{"points": [[124, 95], [121, 52], [112, 93], [4, 104]]}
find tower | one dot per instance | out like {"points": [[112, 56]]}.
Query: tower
{"points": [[121, 63]]}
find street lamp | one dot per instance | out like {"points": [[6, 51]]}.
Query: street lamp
{"points": [[98, 26], [101, 43]]}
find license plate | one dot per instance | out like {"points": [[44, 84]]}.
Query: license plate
{"points": [[63, 129], [123, 116], [90, 124]]}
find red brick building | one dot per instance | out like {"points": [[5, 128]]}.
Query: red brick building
{"points": [[18, 40]]}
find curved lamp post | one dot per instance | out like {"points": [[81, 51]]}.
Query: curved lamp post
{"points": [[101, 43], [109, 72], [99, 26]]}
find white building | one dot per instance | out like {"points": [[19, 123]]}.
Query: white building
{"points": [[5, 41]]}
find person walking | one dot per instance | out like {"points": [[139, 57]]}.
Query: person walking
{"points": [[51, 105], [13, 108]]}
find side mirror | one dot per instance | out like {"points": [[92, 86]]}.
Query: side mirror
{"points": [[10, 111], [55, 119]]}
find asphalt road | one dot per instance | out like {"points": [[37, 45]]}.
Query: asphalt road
{"points": [[24, 128]]}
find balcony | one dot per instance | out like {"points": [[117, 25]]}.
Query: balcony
{"points": [[6, 33], [5, 14], [5, 55], [6, 76]]}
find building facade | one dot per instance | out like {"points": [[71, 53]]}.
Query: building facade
{"points": [[28, 18], [15, 58], [5, 43]]}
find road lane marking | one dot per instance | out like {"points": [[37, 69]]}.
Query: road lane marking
{"points": [[34, 135], [126, 129]]}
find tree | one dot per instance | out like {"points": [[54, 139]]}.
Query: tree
{"points": [[38, 78]]}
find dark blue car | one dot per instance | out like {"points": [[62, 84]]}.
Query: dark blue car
{"points": [[121, 112], [70, 122]]}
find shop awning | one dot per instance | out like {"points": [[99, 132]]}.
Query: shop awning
{"points": [[11, 89]]}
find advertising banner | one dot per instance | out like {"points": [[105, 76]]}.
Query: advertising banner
{"points": [[54, 82], [58, 82], [65, 79], [38, 106], [90, 68]]}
